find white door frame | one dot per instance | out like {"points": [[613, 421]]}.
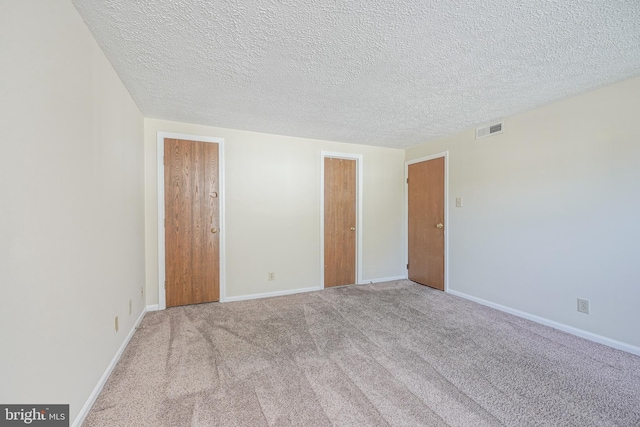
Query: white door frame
{"points": [[444, 154], [162, 296], [359, 180]]}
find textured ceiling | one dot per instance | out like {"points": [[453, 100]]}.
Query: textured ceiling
{"points": [[391, 73]]}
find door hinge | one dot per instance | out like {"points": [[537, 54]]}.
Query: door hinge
{"points": [[165, 284], [407, 266], [407, 180]]}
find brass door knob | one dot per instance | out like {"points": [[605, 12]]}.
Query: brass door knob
{"points": [[439, 225], [214, 230], [353, 229]]}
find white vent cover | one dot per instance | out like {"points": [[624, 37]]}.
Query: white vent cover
{"points": [[492, 129]]}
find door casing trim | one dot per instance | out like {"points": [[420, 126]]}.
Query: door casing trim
{"points": [[447, 226], [162, 296], [359, 181]]}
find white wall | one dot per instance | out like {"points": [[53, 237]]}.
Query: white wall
{"points": [[552, 211], [273, 209], [71, 206]]}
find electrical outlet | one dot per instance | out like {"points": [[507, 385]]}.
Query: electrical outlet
{"points": [[115, 324], [130, 304], [583, 306], [271, 276]]}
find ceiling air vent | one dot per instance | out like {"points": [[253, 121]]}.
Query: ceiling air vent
{"points": [[493, 129]]}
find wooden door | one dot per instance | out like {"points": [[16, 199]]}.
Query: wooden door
{"points": [[426, 223], [192, 237], [339, 222]]}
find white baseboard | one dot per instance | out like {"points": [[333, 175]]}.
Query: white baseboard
{"points": [[381, 279], [297, 291], [153, 307], [103, 380], [271, 294], [553, 324]]}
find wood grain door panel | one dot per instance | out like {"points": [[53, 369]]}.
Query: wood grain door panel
{"points": [[426, 211], [192, 238], [339, 222]]}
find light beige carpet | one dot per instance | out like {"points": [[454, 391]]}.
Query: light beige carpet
{"points": [[395, 353]]}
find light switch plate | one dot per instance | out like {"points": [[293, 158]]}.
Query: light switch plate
{"points": [[458, 202]]}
